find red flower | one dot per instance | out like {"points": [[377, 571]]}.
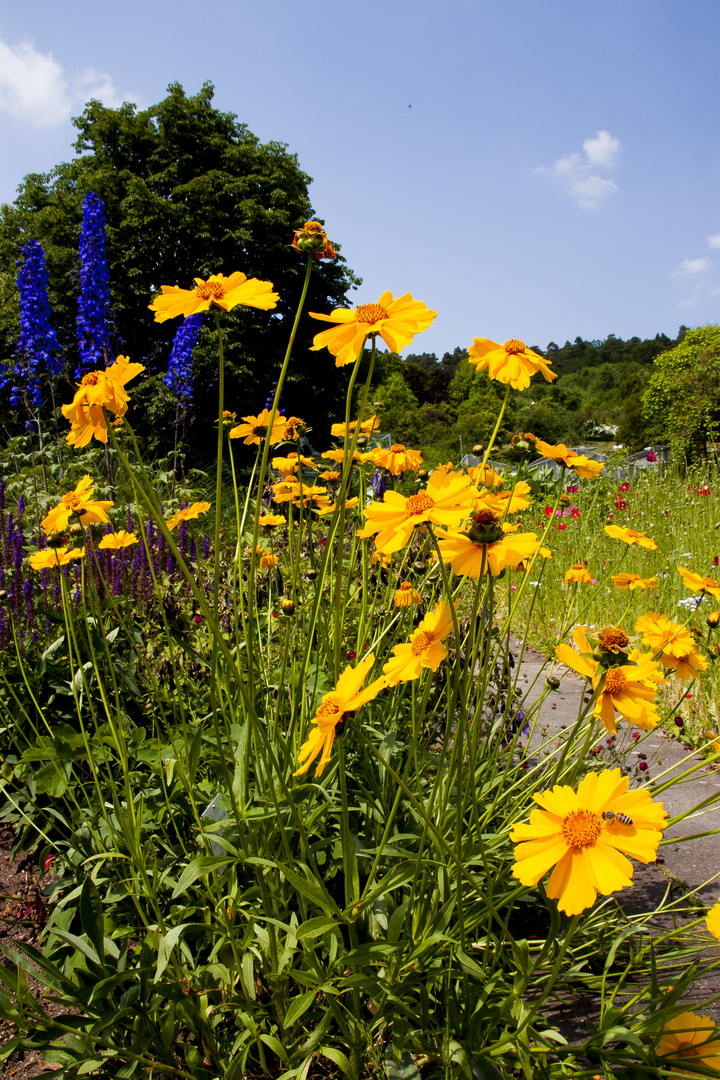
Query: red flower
{"points": [[624, 487], [574, 512], [620, 504], [561, 526]]}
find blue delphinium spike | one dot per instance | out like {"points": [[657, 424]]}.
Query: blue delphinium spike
{"points": [[179, 373], [93, 317], [37, 347]]}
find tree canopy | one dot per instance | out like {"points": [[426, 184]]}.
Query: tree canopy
{"points": [[188, 191], [682, 399]]}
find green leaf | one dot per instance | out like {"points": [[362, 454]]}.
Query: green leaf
{"points": [[311, 890], [198, 868], [166, 945], [91, 916], [298, 1007], [404, 1069], [313, 928]]}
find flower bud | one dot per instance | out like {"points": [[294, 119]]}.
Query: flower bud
{"points": [[287, 607], [311, 574], [552, 682], [478, 449], [75, 529], [56, 540], [713, 619], [485, 528], [313, 238]]}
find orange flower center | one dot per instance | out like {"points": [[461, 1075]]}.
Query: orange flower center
{"points": [[485, 516], [687, 1050], [370, 313], [406, 586], [613, 638], [418, 504], [581, 828], [514, 346], [91, 379], [397, 448], [210, 290], [708, 583], [332, 706], [73, 500], [615, 681], [422, 642]]}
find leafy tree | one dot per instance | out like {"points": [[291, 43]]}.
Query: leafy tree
{"points": [[682, 400], [188, 191], [398, 409]]}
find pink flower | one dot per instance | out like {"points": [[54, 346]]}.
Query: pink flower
{"points": [[620, 504], [197, 619], [572, 489], [48, 862], [650, 457], [624, 487], [642, 766]]}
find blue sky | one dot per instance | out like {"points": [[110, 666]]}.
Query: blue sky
{"points": [[538, 169]]}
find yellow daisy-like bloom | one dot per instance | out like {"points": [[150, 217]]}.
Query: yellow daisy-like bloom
{"points": [[218, 291], [471, 559], [713, 921], [397, 459], [268, 521], [629, 689], [329, 476], [286, 466], [268, 560], [51, 557], [696, 583], [587, 850], [314, 498], [406, 595], [446, 500], [329, 508], [256, 428], [689, 1038], [76, 502], [630, 536], [285, 490], [579, 463], [664, 636], [396, 321], [506, 502], [424, 649], [485, 476], [545, 553], [98, 391], [338, 456], [117, 540], [347, 697], [366, 427], [512, 363], [187, 514], [578, 575], [634, 581], [295, 428]]}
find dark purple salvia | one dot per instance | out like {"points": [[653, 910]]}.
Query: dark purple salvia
{"points": [[179, 374], [93, 317], [37, 350]]}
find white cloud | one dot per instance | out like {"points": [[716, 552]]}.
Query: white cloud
{"points": [[34, 87], [692, 267], [576, 172], [714, 240], [603, 150]]}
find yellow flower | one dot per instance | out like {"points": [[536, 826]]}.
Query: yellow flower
{"points": [[269, 520], [255, 428], [187, 514], [713, 921], [634, 581], [506, 502], [545, 553], [664, 636], [115, 541], [582, 836], [329, 476], [218, 291], [470, 558], [626, 688], [630, 536], [366, 427], [80, 503], [268, 560], [51, 557], [406, 596], [326, 507], [338, 456], [423, 650], [397, 459], [696, 583], [580, 464], [285, 490], [511, 363], [689, 1038], [445, 501], [295, 428], [314, 497], [396, 321], [578, 575], [286, 466], [313, 238], [485, 476], [347, 697], [98, 391]]}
